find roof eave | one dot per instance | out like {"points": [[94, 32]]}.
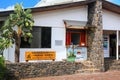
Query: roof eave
{"points": [[61, 6], [106, 5], [52, 7], [111, 7]]}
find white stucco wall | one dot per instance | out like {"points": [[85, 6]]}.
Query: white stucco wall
{"points": [[111, 20], [53, 19], [59, 35]]}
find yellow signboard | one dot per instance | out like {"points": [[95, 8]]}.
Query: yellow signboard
{"points": [[40, 55]]}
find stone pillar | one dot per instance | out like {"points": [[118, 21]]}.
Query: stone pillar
{"points": [[95, 34]]}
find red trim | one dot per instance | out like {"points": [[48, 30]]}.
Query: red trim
{"points": [[83, 39], [68, 38]]}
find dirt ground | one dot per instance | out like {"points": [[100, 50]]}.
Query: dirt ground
{"points": [[109, 75]]}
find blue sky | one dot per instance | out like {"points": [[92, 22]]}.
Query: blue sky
{"points": [[9, 4], [115, 1]]}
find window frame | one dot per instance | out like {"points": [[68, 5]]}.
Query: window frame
{"points": [[40, 39], [83, 37]]}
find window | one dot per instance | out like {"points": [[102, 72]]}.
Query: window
{"points": [[46, 38], [76, 37], [41, 38]]}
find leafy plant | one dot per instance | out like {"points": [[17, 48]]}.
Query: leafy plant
{"points": [[4, 43], [71, 54], [2, 67], [19, 24]]}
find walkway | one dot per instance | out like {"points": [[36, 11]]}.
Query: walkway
{"points": [[110, 75]]}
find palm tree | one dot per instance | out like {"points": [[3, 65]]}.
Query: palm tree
{"points": [[19, 24]]}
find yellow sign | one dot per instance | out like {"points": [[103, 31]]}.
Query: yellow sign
{"points": [[40, 55]]}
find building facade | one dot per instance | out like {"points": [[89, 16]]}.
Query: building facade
{"points": [[88, 28]]}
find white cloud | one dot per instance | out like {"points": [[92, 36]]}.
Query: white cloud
{"points": [[110, 0], [8, 8]]}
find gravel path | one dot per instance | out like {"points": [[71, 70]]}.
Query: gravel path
{"points": [[110, 75]]}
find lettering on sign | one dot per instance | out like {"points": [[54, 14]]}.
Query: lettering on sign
{"points": [[40, 55]]}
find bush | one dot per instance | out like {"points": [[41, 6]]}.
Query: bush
{"points": [[2, 67]]}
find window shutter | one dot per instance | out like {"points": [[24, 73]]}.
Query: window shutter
{"points": [[68, 37], [83, 39]]}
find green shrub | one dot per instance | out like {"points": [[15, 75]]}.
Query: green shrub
{"points": [[2, 67]]}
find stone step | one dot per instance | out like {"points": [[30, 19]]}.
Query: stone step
{"points": [[112, 64], [88, 67], [115, 64], [92, 70], [115, 67], [87, 64]]}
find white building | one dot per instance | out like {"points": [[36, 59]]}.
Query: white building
{"points": [[51, 17]]}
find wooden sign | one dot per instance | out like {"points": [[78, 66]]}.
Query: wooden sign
{"points": [[40, 55]]}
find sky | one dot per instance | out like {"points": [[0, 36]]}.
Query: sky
{"points": [[9, 4], [115, 1]]}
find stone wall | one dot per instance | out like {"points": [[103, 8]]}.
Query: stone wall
{"points": [[112, 64], [95, 34], [15, 71]]}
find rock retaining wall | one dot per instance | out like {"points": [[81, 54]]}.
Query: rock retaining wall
{"points": [[15, 71]]}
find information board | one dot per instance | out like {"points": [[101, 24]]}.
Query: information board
{"points": [[40, 55]]}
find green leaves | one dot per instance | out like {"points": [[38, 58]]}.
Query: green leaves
{"points": [[28, 11], [21, 19], [5, 40], [4, 43], [28, 36], [2, 67], [18, 8]]}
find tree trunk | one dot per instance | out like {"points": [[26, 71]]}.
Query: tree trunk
{"points": [[17, 44], [17, 48]]}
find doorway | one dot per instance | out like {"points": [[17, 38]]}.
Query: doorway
{"points": [[113, 45]]}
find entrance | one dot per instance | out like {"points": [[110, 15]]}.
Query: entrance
{"points": [[113, 45], [109, 44]]}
